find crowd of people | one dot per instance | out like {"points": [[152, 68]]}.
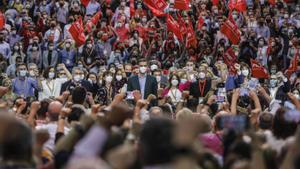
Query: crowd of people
{"points": [[153, 84]]}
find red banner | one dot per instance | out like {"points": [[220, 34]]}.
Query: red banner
{"points": [[2, 20], [229, 57], [181, 4], [131, 5], [200, 23], [93, 21], [173, 26], [293, 65], [272, 2], [239, 5], [155, 10], [191, 36], [215, 2], [231, 31], [258, 71], [183, 28], [77, 32]]}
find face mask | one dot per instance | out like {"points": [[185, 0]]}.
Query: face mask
{"points": [[202, 75], [108, 79], [190, 68], [144, 19], [51, 75], [13, 32], [89, 45], [143, 69], [51, 47], [245, 72], [183, 81], [34, 48], [23, 73], [158, 78], [118, 77], [31, 73], [77, 78], [68, 45], [234, 16], [261, 43], [128, 74], [63, 76], [16, 47], [273, 82], [286, 16], [153, 67], [297, 95], [174, 82], [90, 80]]}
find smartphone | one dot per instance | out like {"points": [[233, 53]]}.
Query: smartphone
{"points": [[129, 95], [244, 92], [221, 95], [238, 123], [252, 84]]}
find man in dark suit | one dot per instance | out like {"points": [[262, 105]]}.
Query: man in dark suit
{"points": [[78, 80], [50, 56], [146, 84], [200, 88]]}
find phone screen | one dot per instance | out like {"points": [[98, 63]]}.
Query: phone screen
{"points": [[129, 96], [221, 95], [237, 123], [244, 92]]}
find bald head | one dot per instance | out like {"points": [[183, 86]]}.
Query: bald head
{"points": [[54, 109]]}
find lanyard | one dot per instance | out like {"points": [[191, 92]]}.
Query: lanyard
{"points": [[51, 89], [201, 88]]}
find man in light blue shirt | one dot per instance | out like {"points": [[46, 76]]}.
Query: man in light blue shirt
{"points": [[22, 85]]}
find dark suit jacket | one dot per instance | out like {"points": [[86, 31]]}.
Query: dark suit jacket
{"points": [[69, 85], [195, 90], [150, 85]]}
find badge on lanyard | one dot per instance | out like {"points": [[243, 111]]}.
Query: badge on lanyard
{"points": [[201, 100], [68, 61], [89, 60]]}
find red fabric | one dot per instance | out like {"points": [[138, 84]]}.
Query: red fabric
{"points": [[181, 4], [123, 33], [230, 59], [231, 31], [94, 20], [131, 5], [154, 9], [173, 26], [293, 65], [191, 36], [215, 2], [183, 28], [77, 32], [85, 2], [258, 71], [272, 2], [2, 20], [200, 23], [239, 5]]}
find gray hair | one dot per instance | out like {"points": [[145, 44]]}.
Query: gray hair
{"points": [[76, 68]]}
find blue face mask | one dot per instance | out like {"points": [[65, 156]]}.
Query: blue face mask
{"points": [[23, 73]]}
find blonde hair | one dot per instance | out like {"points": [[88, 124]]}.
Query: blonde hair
{"points": [[184, 113]]}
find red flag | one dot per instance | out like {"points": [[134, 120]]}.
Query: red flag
{"points": [[191, 36], [293, 65], [230, 57], [258, 71], [181, 4], [93, 21], [239, 5], [231, 31], [200, 23], [131, 5], [77, 32], [173, 26], [85, 2], [154, 10], [157, 4], [2, 20], [183, 28], [215, 2]]}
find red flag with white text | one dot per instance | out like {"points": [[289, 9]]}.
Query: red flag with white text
{"points": [[258, 71], [181, 4], [93, 21], [191, 36], [173, 26], [183, 28], [154, 9], [239, 5], [231, 31], [77, 32]]}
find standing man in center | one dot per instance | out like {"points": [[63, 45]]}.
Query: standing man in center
{"points": [[143, 82]]}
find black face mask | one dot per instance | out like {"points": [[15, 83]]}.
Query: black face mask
{"points": [[128, 74]]}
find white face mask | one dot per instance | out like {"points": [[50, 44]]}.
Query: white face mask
{"points": [[118, 77], [202, 75], [190, 68], [77, 78], [158, 78], [174, 82], [245, 72], [143, 69], [108, 79], [23, 73], [34, 48], [153, 67], [51, 75], [90, 80], [68, 45], [183, 81], [89, 45]]}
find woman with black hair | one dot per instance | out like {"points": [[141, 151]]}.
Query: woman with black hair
{"points": [[107, 91], [173, 90]]}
